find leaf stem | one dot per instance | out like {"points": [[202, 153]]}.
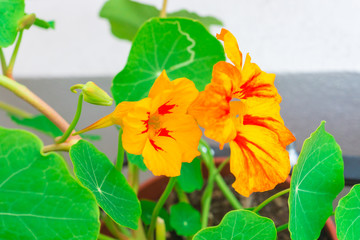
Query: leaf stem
{"points": [[205, 151], [158, 207], [121, 152], [27, 95], [282, 227], [72, 126], [58, 147], [3, 61], [181, 194], [133, 176], [113, 228], [206, 200], [267, 201], [163, 9], [14, 110], [10, 67]]}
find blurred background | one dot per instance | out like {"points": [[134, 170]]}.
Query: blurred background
{"points": [[313, 46]]}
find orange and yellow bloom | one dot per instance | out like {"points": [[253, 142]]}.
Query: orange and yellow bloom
{"points": [[241, 107], [158, 127]]}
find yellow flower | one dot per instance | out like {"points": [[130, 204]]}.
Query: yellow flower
{"points": [[241, 106], [159, 127]]}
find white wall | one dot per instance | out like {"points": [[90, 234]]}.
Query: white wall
{"points": [[281, 35]]}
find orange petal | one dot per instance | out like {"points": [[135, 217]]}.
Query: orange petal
{"points": [[121, 110], [258, 161], [161, 84], [162, 156], [101, 123], [227, 76], [256, 83], [185, 131], [231, 47], [135, 130], [266, 114]]}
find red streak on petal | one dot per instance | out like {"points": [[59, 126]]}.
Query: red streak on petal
{"points": [[156, 147], [165, 133], [165, 108], [146, 123]]}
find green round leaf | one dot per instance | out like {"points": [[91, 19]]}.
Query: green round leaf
{"points": [[317, 179], [191, 178], [11, 11], [39, 199], [147, 208], [347, 215], [111, 190], [240, 225], [185, 219], [183, 47]]}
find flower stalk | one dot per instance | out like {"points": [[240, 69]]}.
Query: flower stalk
{"points": [[267, 201], [10, 67]]}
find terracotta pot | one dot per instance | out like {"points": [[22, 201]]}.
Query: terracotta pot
{"points": [[154, 187]]}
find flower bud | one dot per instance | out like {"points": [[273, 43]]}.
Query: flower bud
{"points": [[93, 94], [26, 22]]}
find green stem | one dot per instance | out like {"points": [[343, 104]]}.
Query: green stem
{"points": [[163, 9], [10, 67], [158, 207], [24, 93], [14, 110], [267, 201], [58, 147], [181, 194], [133, 176], [104, 237], [121, 152], [113, 228], [74, 121], [206, 201], [205, 151], [3, 61], [282, 227]]}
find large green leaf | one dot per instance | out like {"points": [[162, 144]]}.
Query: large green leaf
{"points": [[347, 215], [316, 180], [184, 48], [185, 219], [39, 199], [240, 225], [112, 192], [191, 178], [11, 11], [126, 17]]}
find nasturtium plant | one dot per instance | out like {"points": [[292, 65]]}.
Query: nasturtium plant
{"points": [[191, 178], [240, 225], [112, 192], [126, 17], [185, 219], [316, 181], [182, 47], [11, 11], [37, 192], [347, 215]]}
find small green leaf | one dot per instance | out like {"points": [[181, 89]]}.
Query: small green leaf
{"points": [[40, 123], [147, 210], [126, 17], [347, 215], [206, 21], [185, 219], [11, 11], [44, 125], [240, 225], [39, 199], [44, 24], [191, 178], [316, 180], [184, 48], [112, 192], [138, 160]]}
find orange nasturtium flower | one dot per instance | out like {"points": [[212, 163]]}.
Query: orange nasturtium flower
{"points": [[241, 106], [159, 127]]}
